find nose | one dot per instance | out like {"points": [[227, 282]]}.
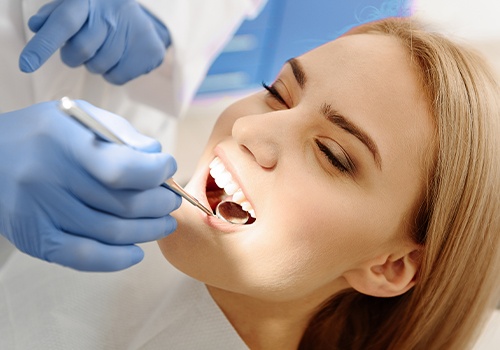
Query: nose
{"points": [[261, 136]]}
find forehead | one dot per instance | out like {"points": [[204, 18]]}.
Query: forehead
{"points": [[368, 76], [373, 56]]}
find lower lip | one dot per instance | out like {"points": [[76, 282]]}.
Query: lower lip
{"points": [[219, 224]]}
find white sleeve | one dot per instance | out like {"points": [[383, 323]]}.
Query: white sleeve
{"points": [[199, 30]]}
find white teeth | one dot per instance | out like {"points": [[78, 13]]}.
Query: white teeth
{"points": [[238, 196], [215, 162], [224, 180], [231, 188], [246, 206], [217, 170]]}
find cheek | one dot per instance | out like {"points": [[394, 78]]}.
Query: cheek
{"points": [[303, 248], [225, 122], [321, 235]]}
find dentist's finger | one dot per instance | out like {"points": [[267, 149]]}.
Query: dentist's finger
{"points": [[110, 229], [146, 55], [153, 203], [84, 45], [159, 27], [121, 167], [38, 20], [122, 128], [109, 54], [64, 22], [85, 254]]}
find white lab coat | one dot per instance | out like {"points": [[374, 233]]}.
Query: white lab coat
{"points": [[149, 306], [199, 30]]}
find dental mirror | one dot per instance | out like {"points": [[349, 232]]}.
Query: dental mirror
{"points": [[232, 213]]}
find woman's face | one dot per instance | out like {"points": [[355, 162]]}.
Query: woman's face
{"points": [[331, 159]]}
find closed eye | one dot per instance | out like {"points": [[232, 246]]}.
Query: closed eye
{"points": [[334, 160], [344, 166], [275, 94]]}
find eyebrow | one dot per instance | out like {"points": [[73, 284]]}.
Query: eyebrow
{"points": [[344, 123], [298, 72], [335, 117]]}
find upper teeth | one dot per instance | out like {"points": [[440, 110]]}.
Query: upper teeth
{"points": [[224, 179]]}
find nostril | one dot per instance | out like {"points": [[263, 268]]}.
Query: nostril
{"points": [[268, 157], [246, 150], [255, 137], [265, 156]]}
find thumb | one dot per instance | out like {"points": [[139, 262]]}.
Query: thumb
{"points": [[119, 166], [121, 127]]}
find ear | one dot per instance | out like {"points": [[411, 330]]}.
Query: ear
{"points": [[386, 276]]}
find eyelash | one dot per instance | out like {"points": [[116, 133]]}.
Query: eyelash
{"points": [[274, 93], [325, 150], [331, 158]]}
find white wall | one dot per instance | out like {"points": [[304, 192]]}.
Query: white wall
{"points": [[477, 22]]}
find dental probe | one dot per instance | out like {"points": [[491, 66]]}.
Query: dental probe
{"points": [[69, 107]]}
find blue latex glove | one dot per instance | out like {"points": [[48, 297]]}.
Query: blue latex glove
{"points": [[67, 197], [118, 39]]}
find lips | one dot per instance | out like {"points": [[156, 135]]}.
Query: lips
{"points": [[222, 186]]}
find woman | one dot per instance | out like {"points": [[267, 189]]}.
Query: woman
{"points": [[370, 168]]}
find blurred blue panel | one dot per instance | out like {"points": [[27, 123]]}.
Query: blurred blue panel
{"points": [[239, 65], [286, 29]]}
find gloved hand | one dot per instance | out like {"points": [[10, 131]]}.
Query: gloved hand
{"points": [[118, 39], [69, 198]]}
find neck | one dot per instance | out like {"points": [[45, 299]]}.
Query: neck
{"points": [[268, 324]]}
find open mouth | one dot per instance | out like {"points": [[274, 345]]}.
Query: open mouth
{"points": [[221, 187]]}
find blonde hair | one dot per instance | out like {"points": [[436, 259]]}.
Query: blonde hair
{"points": [[458, 224]]}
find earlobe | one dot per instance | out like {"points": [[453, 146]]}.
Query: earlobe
{"points": [[387, 276]]}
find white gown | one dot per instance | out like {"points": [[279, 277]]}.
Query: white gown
{"points": [[149, 306]]}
